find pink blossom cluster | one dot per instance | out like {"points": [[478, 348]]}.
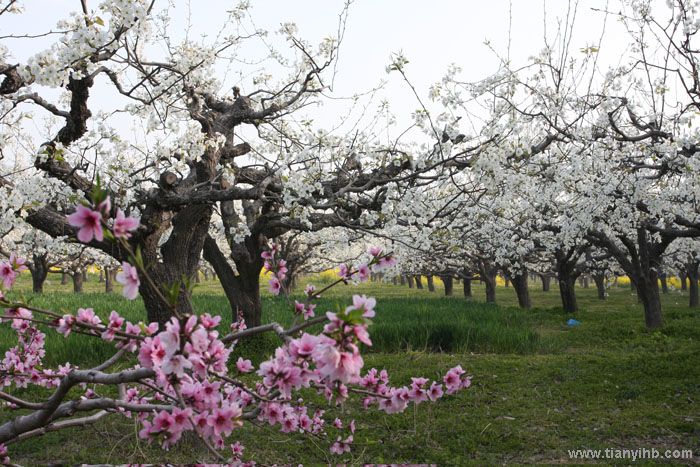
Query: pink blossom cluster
{"points": [[396, 399], [378, 261], [91, 220], [277, 267], [186, 346], [10, 269], [191, 387], [22, 364]]}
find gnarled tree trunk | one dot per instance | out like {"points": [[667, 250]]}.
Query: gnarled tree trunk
{"points": [[521, 289], [78, 282], [599, 280], [431, 283], [242, 290], [692, 270], [39, 268], [447, 280], [467, 284], [109, 280], [409, 279], [546, 281]]}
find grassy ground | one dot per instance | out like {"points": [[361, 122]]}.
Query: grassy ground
{"points": [[540, 387]]}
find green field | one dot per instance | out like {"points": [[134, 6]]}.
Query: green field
{"points": [[540, 388]]}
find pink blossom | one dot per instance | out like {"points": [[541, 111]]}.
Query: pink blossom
{"points": [[244, 366], [362, 302], [10, 269], [65, 324], [129, 278], [115, 324], [435, 392], [453, 380], [309, 290], [89, 222], [375, 251], [363, 272], [385, 262], [223, 420], [208, 321], [344, 272], [274, 286], [88, 316], [237, 450], [123, 226]]}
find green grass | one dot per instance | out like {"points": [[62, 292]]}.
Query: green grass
{"points": [[540, 387]]}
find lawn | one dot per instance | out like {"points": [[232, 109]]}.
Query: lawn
{"points": [[540, 387]]}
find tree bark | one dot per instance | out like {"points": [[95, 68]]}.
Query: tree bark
{"points": [[664, 283], [447, 280], [682, 276], [419, 282], [409, 279], [78, 282], [546, 281], [431, 283], [599, 280], [567, 272], [39, 270], [85, 275], [109, 280], [242, 290], [692, 271], [467, 286], [519, 281], [402, 279], [64, 278], [567, 291]]}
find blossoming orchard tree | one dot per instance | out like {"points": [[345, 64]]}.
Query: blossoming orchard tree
{"points": [[621, 144], [205, 149]]}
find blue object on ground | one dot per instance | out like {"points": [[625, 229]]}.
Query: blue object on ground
{"points": [[573, 322]]}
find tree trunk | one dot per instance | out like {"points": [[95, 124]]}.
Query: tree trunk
{"points": [[242, 290], [521, 290], [402, 279], [488, 275], [692, 270], [109, 280], [39, 271], [586, 283], [467, 286], [664, 283], [64, 278], [419, 282], [682, 275], [78, 282], [409, 279], [546, 281], [506, 281], [567, 291], [197, 279], [101, 279], [447, 280], [431, 283], [648, 292], [599, 280], [85, 275], [394, 280]]}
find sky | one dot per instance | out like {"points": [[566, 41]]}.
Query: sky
{"points": [[431, 34]]}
